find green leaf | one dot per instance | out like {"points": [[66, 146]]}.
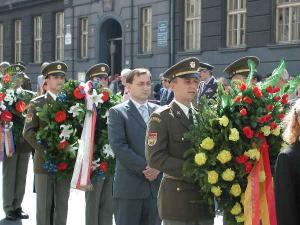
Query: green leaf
{"points": [[276, 74]]}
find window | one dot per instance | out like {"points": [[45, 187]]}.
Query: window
{"points": [[236, 23], [1, 42], [18, 40], [146, 29], [84, 38], [288, 20], [59, 36], [37, 53], [192, 24]]}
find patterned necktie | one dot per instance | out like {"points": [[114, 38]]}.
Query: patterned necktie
{"points": [[191, 118], [144, 112]]}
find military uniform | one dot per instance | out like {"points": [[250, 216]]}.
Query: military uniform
{"points": [[46, 184], [239, 69], [15, 167], [179, 199], [99, 208]]}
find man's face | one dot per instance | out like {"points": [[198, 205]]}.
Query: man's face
{"points": [[204, 74], [239, 77], [185, 89], [55, 83], [101, 80], [165, 83], [140, 88]]}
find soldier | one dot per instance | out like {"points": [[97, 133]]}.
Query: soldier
{"points": [[179, 199], [3, 66], [239, 70], [47, 186], [15, 167], [209, 84], [99, 209]]}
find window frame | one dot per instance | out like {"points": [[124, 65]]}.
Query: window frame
{"points": [[231, 13], [18, 40], [286, 5], [146, 30], [84, 37], [1, 42], [195, 20], [59, 36], [37, 39]]}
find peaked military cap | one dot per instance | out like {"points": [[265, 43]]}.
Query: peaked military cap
{"points": [[98, 70], [186, 68], [55, 68], [240, 66], [205, 66], [16, 68], [4, 65]]}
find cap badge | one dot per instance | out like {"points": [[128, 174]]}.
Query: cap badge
{"points": [[192, 64], [58, 67], [102, 68], [17, 68]]}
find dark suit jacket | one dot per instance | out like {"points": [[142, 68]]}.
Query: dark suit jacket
{"points": [[210, 88], [166, 97], [126, 133], [287, 186]]}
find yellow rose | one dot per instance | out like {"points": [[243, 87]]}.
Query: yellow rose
{"points": [[266, 130], [228, 175], [240, 218], [224, 156], [223, 121], [207, 143], [235, 190], [212, 177], [253, 154], [236, 209], [216, 190], [234, 134], [200, 158], [276, 131]]}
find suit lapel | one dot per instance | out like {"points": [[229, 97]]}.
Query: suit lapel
{"points": [[136, 114], [179, 114]]}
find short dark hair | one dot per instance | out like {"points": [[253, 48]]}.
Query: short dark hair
{"points": [[136, 73]]}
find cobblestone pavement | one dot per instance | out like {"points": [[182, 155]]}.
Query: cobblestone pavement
{"points": [[76, 205]]}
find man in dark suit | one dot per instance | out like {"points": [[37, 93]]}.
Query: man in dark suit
{"points": [[46, 184], [135, 184], [167, 94], [179, 199]]}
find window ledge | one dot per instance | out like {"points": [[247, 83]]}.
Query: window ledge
{"points": [[284, 45], [144, 55], [83, 60], [234, 49], [190, 52]]}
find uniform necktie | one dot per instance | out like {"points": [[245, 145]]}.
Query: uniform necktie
{"points": [[144, 112]]}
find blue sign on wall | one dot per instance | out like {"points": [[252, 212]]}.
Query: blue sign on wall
{"points": [[162, 34]]}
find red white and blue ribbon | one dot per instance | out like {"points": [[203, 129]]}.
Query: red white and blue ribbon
{"points": [[7, 145], [81, 178]]}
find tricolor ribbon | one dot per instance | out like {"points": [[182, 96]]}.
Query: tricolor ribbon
{"points": [[81, 178], [259, 205], [7, 145]]}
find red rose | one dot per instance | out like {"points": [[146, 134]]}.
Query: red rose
{"points": [[259, 134], [21, 106], [269, 89], [243, 112], [241, 159], [257, 92], [273, 125], [281, 116], [6, 116], [105, 96], [270, 107], [277, 98], [243, 87], [264, 146], [237, 98], [2, 96], [62, 166], [62, 145], [261, 119], [103, 167], [268, 117], [248, 132], [6, 78], [247, 100], [60, 116], [248, 167], [276, 89], [78, 94], [285, 99]]}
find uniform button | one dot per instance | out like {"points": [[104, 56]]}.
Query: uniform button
{"points": [[178, 189], [182, 139]]}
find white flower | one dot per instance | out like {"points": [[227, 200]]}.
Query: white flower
{"points": [[66, 132], [105, 115], [1, 86], [75, 109], [95, 164], [10, 92], [19, 91], [96, 98], [3, 107], [108, 151]]}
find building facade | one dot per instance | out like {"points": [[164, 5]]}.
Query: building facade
{"points": [[149, 33]]}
